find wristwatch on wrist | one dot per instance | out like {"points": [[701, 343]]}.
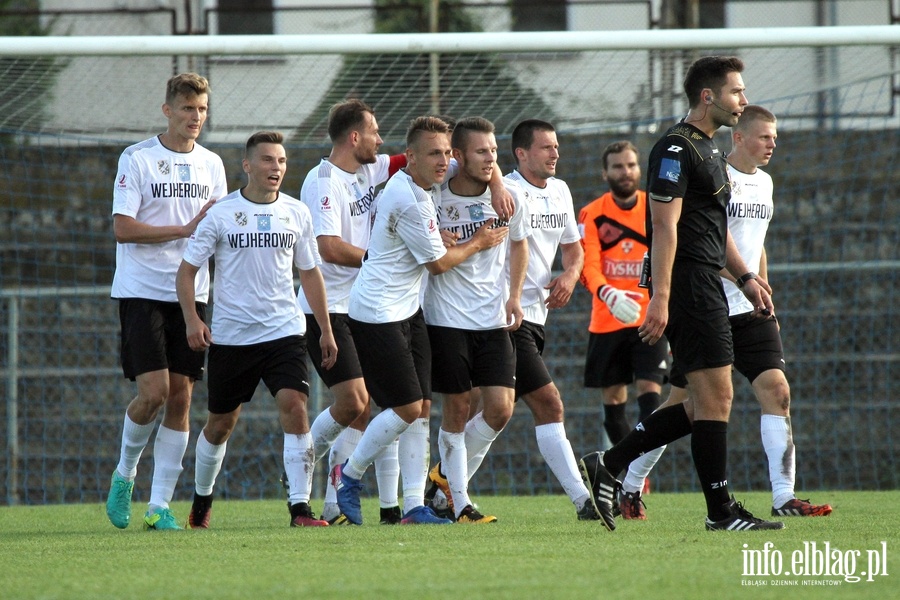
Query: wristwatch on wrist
{"points": [[740, 281]]}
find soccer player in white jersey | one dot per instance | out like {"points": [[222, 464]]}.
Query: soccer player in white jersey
{"points": [[548, 202], [758, 353], [257, 235], [163, 188], [387, 323], [340, 194], [469, 311]]}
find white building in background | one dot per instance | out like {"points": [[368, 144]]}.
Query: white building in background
{"points": [[121, 96]]}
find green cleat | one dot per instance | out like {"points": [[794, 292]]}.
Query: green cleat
{"points": [[161, 519], [118, 502]]}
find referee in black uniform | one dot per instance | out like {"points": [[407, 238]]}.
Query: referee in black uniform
{"points": [[689, 190]]}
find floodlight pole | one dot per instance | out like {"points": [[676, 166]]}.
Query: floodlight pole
{"points": [[434, 69]]}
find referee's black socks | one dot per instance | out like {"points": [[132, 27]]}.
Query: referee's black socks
{"points": [[662, 427], [709, 449]]}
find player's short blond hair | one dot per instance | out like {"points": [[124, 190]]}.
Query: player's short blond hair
{"points": [[422, 125], [186, 84], [753, 113]]}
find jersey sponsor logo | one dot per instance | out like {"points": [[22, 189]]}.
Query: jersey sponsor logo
{"points": [[325, 203], [286, 220], [465, 230], [276, 239], [263, 222], [184, 172], [180, 190], [163, 167], [675, 149], [240, 219], [363, 202], [749, 210], [121, 183], [549, 220], [476, 211], [670, 170], [622, 268]]}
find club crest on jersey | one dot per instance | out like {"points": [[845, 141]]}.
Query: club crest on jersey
{"points": [[452, 213], [735, 188], [627, 246], [163, 167], [476, 212], [184, 172], [240, 218], [263, 222]]}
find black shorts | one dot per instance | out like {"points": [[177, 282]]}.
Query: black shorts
{"points": [[531, 372], [235, 371], [395, 360], [757, 345], [463, 359], [347, 365], [153, 337], [698, 329], [620, 357]]}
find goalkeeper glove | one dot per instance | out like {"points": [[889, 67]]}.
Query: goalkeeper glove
{"points": [[622, 305]]}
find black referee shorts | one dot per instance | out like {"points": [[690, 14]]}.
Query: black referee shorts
{"points": [[699, 332]]}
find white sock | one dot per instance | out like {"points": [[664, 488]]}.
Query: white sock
{"points": [[134, 440], [381, 432], [298, 464], [414, 453], [778, 441], [557, 452], [640, 468], [325, 430], [452, 447], [207, 463], [341, 450], [479, 437], [168, 454], [387, 472]]}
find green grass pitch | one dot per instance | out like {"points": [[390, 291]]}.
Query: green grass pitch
{"points": [[536, 550]]}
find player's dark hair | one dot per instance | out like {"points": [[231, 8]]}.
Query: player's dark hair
{"points": [[615, 148], [186, 84], [346, 116], [753, 113], [709, 72], [262, 137], [523, 134], [422, 125], [468, 125]]}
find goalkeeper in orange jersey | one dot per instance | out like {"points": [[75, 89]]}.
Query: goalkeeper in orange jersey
{"points": [[613, 234]]}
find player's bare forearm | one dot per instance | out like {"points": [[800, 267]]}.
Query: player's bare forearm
{"points": [[501, 200], [197, 332], [129, 230], [561, 287], [313, 286], [336, 251], [487, 236], [518, 266]]}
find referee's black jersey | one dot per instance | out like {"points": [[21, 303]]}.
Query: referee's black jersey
{"points": [[686, 164]]}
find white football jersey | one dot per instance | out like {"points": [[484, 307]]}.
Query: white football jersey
{"points": [[405, 236], [551, 218], [158, 186], [256, 247], [473, 294], [749, 212], [342, 205]]}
